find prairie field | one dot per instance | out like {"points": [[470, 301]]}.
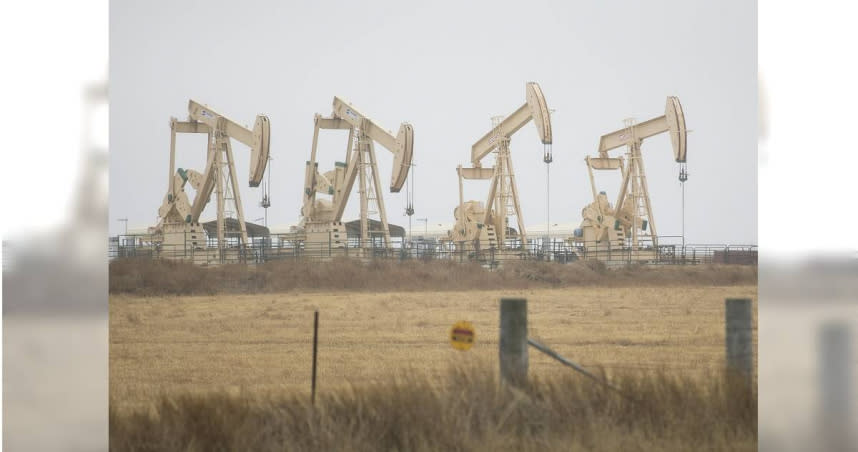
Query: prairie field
{"points": [[225, 365], [171, 345]]}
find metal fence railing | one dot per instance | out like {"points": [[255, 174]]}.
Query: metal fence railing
{"points": [[670, 251]]}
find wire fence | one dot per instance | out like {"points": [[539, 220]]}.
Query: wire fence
{"points": [[670, 251]]}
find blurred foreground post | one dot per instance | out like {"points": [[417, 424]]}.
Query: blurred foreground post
{"points": [[315, 347], [513, 340], [739, 344], [835, 380]]}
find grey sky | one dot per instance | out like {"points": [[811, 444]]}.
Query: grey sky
{"points": [[446, 67]]}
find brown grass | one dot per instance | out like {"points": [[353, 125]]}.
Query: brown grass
{"points": [[464, 410], [203, 344], [228, 368], [159, 277]]}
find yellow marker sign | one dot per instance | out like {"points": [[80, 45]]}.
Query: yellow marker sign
{"points": [[462, 335]]}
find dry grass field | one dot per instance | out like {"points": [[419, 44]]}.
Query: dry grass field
{"points": [[216, 359], [465, 410], [175, 345], [146, 277]]}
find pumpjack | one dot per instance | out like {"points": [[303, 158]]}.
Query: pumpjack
{"points": [[629, 223], [322, 216], [482, 226], [178, 226]]}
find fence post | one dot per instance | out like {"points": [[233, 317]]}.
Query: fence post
{"points": [[315, 348], [835, 357], [739, 336], [513, 341]]}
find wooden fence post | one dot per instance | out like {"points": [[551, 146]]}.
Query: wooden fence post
{"points": [[513, 341], [740, 351], [315, 348]]}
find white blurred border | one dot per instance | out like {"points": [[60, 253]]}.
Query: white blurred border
{"points": [[809, 249], [807, 159], [808, 155], [55, 138], [51, 51]]}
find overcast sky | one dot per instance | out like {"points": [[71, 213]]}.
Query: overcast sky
{"points": [[447, 68]]}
